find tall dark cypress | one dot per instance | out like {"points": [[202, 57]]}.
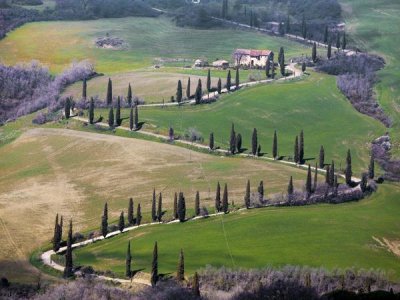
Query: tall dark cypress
{"points": [[239, 143], [209, 80], [56, 241], [314, 53], [153, 207], [247, 195], [91, 111], [179, 92], [67, 108], [344, 41], [371, 167], [218, 198], [322, 157], [327, 175], [326, 35], [228, 81], [275, 146], [129, 96], [254, 142], [364, 182], [315, 178], [349, 172], [197, 204], [290, 189], [111, 118], [128, 261], [136, 119], [84, 89], [159, 209], [225, 200], [287, 24], [131, 119], [268, 68], [301, 148], [118, 112], [219, 86], [104, 221], [237, 79], [199, 92], [281, 60], [260, 190], [338, 41], [138, 215], [109, 92], [332, 175], [309, 182], [121, 222], [60, 229], [196, 285], [181, 208], [211, 142], [304, 28], [329, 52], [131, 217], [180, 272], [188, 89], [232, 141], [154, 266], [68, 270], [296, 150], [176, 206]]}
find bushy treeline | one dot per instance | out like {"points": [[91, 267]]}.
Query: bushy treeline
{"points": [[381, 153], [26, 88]]}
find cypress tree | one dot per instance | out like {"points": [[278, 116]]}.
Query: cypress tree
{"points": [[275, 146], [371, 167], [296, 150], [290, 188], [118, 112], [68, 270], [219, 87], [111, 118], [60, 230], [131, 119], [180, 272], [56, 241], [225, 199], [314, 53], [121, 223], [109, 92], [138, 215], [199, 92], [335, 185], [196, 285], [338, 41], [209, 80], [84, 89], [281, 29], [332, 175], [228, 81], [304, 27], [344, 41], [268, 68], [197, 204], [211, 144], [237, 80], [239, 143], [329, 52], [128, 261], [181, 208], [153, 207], [322, 157], [349, 171], [131, 218], [179, 92], [247, 195], [136, 119], [232, 141], [315, 178], [67, 108], [91, 111], [301, 148], [154, 266], [364, 182], [159, 209], [281, 60], [129, 96], [254, 142], [303, 67], [176, 206], [273, 70], [309, 182], [260, 190], [104, 221], [188, 89], [326, 35], [327, 175], [218, 198], [287, 25]]}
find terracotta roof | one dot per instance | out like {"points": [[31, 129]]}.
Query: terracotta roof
{"points": [[252, 52]]}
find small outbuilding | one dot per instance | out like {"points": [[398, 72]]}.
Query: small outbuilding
{"points": [[221, 64], [200, 63]]}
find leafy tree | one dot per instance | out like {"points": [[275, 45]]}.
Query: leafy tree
{"points": [[364, 182], [154, 266], [128, 261], [301, 148], [219, 86], [199, 92], [179, 92], [111, 118], [309, 182], [181, 208], [232, 141], [314, 53], [67, 108], [129, 96], [260, 190], [118, 112], [196, 285], [180, 272], [228, 81], [322, 157], [290, 188], [188, 89], [254, 142], [296, 150], [104, 221], [109, 92], [136, 119], [197, 204], [68, 270], [209, 80], [159, 209], [275, 146], [329, 52], [121, 222], [344, 41], [131, 125], [131, 217], [239, 142], [225, 199], [91, 111], [153, 207], [138, 215], [247, 195], [176, 206], [218, 198], [237, 81], [211, 143], [371, 167], [326, 35], [84, 89], [349, 171], [303, 67]]}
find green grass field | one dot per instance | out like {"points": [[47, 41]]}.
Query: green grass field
{"points": [[57, 44], [328, 236]]}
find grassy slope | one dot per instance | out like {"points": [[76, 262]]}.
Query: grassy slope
{"points": [[330, 236], [375, 26], [314, 105], [59, 43]]}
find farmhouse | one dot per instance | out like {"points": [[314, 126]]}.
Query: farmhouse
{"points": [[252, 58], [222, 64]]}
